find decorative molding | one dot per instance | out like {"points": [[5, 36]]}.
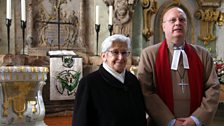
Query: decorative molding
{"points": [[208, 16], [70, 27], [21, 90], [149, 8], [122, 15], [43, 33], [209, 3], [221, 19]]}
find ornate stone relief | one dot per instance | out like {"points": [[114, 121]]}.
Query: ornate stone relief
{"points": [[208, 16], [122, 15], [45, 31], [149, 8], [71, 28]]}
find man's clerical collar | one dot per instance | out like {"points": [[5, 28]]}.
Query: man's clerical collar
{"points": [[176, 56]]}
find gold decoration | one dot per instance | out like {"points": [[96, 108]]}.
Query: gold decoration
{"points": [[33, 103], [6, 101], [19, 105], [16, 89], [134, 69], [14, 95], [177, 1], [209, 3], [221, 19], [149, 8], [208, 18], [208, 15], [21, 90]]}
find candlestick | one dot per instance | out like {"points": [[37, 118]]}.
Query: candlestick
{"points": [[110, 28], [23, 26], [97, 28], [8, 24], [97, 15], [8, 9], [110, 15], [23, 10]]}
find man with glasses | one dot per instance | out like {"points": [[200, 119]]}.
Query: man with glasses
{"points": [[179, 82], [110, 96]]}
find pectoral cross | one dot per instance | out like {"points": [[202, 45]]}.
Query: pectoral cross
{"points": [[182, 84]]}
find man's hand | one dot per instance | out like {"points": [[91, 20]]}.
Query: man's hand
{"points": [[185, 121], [178, 123]]}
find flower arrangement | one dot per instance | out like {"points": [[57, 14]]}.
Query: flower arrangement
{"points": [[219, 64]]}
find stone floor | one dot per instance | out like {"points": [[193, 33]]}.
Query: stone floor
{"points": [[218, 122], [67, 120], [219, 118]]}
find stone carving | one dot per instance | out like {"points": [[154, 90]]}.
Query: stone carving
{"points": [[207, 15], [29, 36], [71, 30], [209, 3], [122, 15], [43, 16], [221, 19], [208, 18], [47, 22], [149, 8]]}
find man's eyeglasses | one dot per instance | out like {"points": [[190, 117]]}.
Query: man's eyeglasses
{"points": [[173, 20], [116, 53]]}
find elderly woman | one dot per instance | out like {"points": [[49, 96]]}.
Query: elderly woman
{"points": [[110, 96]]}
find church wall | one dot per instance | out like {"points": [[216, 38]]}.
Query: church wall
{"points": [[220, 39]]}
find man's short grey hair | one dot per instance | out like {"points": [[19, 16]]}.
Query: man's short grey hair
{"points": [[107, 43]]}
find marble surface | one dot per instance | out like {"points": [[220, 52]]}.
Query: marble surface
{"points": [[21, 94]]}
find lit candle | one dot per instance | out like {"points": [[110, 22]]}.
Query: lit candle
{"points": [[110, 14], [8, 10], [97, 15], [23, 10]]}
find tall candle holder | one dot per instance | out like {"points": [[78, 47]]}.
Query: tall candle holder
{"points": [[110, 28], [8, 24], [23, 26], [97, 28]]}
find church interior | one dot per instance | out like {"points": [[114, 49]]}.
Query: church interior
{"points": [[43, 42]]}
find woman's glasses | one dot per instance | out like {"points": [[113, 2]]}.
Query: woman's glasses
{"points": [[116, 53]]}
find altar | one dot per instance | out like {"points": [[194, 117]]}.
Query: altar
{"points": [[65, 79], [21, 95]]}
